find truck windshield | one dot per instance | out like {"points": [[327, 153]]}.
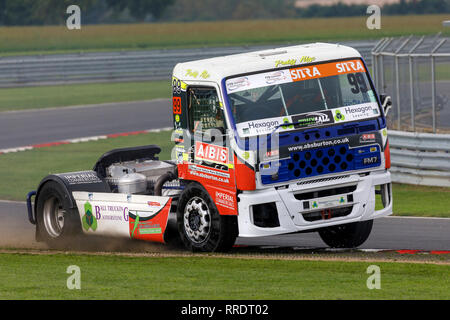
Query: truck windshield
{"points": [[308, 96]]}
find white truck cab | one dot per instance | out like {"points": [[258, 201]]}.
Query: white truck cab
{"points": [[318, 105]]}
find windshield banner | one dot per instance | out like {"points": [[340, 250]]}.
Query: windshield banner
{"points": [[310, 119]]}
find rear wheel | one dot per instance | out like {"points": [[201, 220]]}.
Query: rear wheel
{"points": [[346, 235], [200, 225], [56, 222]]}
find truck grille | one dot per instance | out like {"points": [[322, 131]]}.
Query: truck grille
{"points": [[322, 161]]}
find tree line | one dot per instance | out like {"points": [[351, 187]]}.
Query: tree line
{"points": [[53, 12]]}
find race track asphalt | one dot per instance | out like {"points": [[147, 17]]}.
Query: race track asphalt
{"points": [[23, 128], [396, 233]]}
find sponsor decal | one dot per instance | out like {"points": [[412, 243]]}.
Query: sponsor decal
{"points": [[112, 213], [154, 204], [338, 116], [307, 59], [289, 126], [238, 83], [84, 177], [209, 171], [350, 66], [143, 227], [88, 221], [356, 112], [141, 223], [150, 229], [312, 119], [292, 62], [305, 73], [211, 153], [353, 141], [195, 74], [210, 174], [289, 62], [275, 77], [224, 200], [327, 70], [328, 202], [262, 126], [294, 74], [317, 144], [272, 154], [367, 138]]}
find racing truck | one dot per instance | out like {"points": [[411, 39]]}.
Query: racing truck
{"points": [[265, 143]]}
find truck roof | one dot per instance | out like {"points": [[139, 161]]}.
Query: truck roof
{"points": [[215, 69]]}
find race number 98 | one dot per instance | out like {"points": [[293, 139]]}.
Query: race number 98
{"points": [[176, 86]]}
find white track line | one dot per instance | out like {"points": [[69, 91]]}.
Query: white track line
{"points": [[81, 139], [106, 104], [13, 202]]}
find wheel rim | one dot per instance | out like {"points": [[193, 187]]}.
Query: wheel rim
{"points": [[53, 217], [197, 220]]}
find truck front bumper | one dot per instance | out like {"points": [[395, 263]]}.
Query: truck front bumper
{"points": [[310, 205]]}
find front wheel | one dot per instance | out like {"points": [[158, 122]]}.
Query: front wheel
{"points": [[350, 235], [200, 225], [56, 222]]}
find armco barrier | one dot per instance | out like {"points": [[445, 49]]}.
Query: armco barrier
{"points": [[420, 158], [116, 66]]}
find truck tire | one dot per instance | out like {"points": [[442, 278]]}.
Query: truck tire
{"points": [[200, 225], [350, 235], [56, 223]]}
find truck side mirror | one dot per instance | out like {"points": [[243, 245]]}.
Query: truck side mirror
{"points": [[386, 103]]}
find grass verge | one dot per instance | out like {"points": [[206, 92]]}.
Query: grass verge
{"points": [[119, 277], [421, 201], [81, 94], [57, 39], [22, 171]]}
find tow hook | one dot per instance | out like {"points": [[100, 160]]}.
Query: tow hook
{"points": [[324, 212], [30, 207]]}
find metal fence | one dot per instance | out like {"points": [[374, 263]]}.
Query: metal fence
{"points": [[415, 72], [115, 66]]}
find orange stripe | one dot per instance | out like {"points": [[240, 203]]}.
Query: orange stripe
{"points": [[327, 70]]}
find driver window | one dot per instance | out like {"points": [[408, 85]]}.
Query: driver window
{"points": [[204, 110]]}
